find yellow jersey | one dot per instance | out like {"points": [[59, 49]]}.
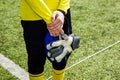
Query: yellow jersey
{"points": [[42, 9]]}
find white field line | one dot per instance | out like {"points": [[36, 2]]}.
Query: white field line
{"points": [[20, 73], [13, 68], [78, 62]]}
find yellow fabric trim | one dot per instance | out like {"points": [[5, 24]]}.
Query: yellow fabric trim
{"points": [[58, 74], [36, 76]]}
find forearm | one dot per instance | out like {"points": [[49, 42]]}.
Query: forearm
{"points": [[64, 5], [41, 9]]}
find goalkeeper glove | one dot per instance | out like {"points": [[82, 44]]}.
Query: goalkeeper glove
{"points": [[58, 50]]}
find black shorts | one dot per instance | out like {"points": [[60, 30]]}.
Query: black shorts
{"points": [[34, 34]]}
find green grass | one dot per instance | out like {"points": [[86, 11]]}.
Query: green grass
{"points": [[5, 75], [97, 22]]}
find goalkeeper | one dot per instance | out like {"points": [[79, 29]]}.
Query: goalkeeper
{"points": [[37, 18]]}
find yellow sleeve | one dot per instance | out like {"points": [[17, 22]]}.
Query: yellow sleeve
{"points": [[64, 5], [41, 9]]}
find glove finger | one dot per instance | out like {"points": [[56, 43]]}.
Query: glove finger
{"points": [[61, 56], [49, 54], [75, 43], [52, 59], [49, 46], [56, 51], [54, 44]]}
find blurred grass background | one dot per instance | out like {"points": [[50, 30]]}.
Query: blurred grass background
{"points": [[97, 22]]}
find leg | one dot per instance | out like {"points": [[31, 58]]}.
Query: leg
{"points": [[34, 32], [59, 68]]}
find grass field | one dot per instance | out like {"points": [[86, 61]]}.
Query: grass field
{"points": [[97, 22]]}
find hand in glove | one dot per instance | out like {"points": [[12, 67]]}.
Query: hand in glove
{"points": [[58, 50]]}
